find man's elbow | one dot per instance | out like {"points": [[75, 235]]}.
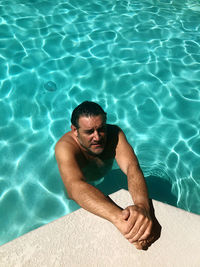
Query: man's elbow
{"points": [[69, 190], [73, 190]]}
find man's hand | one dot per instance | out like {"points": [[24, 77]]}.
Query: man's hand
{"points": [[144, 244], [135, 224], [140, 223], [122, 223]]}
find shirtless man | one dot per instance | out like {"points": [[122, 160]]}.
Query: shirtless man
{"points": [[86, 153]]}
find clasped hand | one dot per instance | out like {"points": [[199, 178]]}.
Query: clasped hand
{"points": [[135, 225]]}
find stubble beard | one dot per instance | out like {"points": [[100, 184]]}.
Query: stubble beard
{"points": [[90, 151]]}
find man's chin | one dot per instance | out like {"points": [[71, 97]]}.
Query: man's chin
{"points": [[97, 150], [94, 150]]}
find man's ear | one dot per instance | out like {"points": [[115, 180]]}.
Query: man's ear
{"points": [[74, 130]]}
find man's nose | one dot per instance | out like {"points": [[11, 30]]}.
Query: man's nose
{"points": [[96, 136]]}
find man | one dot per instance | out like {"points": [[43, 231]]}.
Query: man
{"points": [[86, 153]]}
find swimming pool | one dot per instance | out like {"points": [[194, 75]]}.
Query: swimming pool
{"points": [[139, 59]]}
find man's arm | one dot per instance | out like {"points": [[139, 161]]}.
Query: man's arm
{"points": [[86, 195], [139, 213]]}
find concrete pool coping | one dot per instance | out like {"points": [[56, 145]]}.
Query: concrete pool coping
{"points": [[83, 239]]}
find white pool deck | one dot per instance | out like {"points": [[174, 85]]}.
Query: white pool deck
{"points": [[85, 240]]}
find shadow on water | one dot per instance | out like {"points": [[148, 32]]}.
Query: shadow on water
{"points": [[159, 188]]}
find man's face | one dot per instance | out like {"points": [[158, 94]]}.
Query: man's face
{"points": [[92, 134]]}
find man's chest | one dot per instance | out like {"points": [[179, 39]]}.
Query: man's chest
{"points": [[97, 168]]}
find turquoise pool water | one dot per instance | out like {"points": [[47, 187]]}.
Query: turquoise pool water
{"points": [[139, 59]]}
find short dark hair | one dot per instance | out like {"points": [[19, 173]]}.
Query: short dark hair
{"points": [[87, 109]]}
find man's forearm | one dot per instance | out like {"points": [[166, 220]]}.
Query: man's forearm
{"points": [[94, 201], [137, 187]]}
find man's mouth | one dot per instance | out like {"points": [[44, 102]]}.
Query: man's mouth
{"points": [[97, 144]]}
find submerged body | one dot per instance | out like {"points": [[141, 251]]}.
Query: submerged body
{"points": [[94, 166]]}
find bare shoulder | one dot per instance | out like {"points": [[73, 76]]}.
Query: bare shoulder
{"points": [[69, 160], [66, 146]]}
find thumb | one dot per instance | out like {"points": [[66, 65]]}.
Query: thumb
{"points": [[125, 214]]}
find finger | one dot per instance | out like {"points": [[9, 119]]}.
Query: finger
{"points": [[150, 240], [125, 214], [129, 228], [141, 230], [137, 230], [145, 245], [138, 245], [147, 232], [142, 245], [130, 223], [136, 236]]}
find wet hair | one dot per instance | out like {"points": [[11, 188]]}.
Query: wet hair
{"points": [[86, 109]]}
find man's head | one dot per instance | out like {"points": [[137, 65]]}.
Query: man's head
{"points": [[89, 126], [86, 109]]}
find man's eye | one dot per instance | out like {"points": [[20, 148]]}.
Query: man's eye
{"points": [[89, 132]]}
